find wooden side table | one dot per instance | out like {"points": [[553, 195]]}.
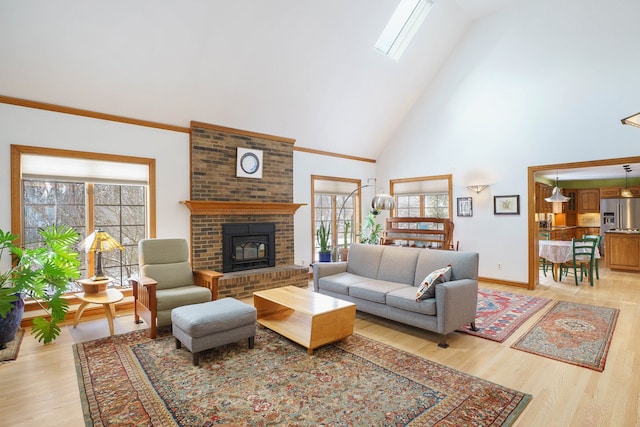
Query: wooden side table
{"points": [[107, 298]]}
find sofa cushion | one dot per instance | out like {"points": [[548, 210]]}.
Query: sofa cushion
{"points": [[339, 283], [427, 288], [464, 265], [405, 299], [375, 290], [364, 260], [398, 264]]}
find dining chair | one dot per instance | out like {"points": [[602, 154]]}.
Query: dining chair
{"points": [[582, 259], [544, 263], [598, 239]]}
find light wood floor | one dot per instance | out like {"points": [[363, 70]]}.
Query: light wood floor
{"points": [[41, 388]]}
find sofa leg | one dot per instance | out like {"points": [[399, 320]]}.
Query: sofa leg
{"points": [[473, 327], [178, 344], [443, 342], [196, 358], [251, 341]]}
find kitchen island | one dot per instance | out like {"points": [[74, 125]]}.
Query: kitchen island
{"points": [[622, 249]]}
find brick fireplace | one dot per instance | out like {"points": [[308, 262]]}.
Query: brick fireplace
{"points": [[219, 197]]}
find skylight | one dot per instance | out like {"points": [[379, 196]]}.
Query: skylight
{"points": [[402, 26]]}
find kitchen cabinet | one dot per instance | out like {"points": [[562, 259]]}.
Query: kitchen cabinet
{"points": [[582, 231], [562, 233], [622, 251], [572, 205], [542, 192], [610, 192], [615, 192], [589, 200]]}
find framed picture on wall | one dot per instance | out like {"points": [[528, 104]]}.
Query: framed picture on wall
{"points": [[249, 163], [506, 205], [465, 206]]}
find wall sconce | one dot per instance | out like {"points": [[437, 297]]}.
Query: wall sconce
{"points": [[477, 188], [632, 120]]}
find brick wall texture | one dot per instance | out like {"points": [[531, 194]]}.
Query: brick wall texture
{"points": [[213, 178]]}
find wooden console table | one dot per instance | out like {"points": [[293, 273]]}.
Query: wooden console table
{"points": [[435, 233]]}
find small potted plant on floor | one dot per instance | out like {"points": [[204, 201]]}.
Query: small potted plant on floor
{"points": [[323, 235], [345, 247], [41, 273]]}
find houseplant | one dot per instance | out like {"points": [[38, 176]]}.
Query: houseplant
{"points": [[41, 274], [370, 233], [345, 247], [323, 235]]}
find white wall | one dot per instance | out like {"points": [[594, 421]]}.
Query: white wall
{"points": [[26, 126], [539, 83], [307, 164]]}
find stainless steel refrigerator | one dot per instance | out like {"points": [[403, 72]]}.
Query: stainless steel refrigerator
{"points": [[620, 214]]}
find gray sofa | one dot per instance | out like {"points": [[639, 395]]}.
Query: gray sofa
{"points": [[383, 280]]}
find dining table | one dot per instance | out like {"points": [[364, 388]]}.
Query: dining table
{"points": [[559, 252]]}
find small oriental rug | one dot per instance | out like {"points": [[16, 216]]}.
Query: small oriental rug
{"points": [[500, 313], [579, 334], [130, 379], [10, 353]]}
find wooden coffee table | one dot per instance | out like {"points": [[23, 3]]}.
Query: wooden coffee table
{"points": [[305, 317]]}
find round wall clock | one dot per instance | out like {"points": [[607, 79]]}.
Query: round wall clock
{"points": [[250, 163]]}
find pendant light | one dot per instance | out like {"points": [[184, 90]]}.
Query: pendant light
{"points": [[556, 194], [626, 192]]}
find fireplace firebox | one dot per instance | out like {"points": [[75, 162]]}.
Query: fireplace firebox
{"points": [[248, 246]]}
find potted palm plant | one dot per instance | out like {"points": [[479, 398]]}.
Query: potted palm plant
{"points": [[323, 236], [42, 274]]}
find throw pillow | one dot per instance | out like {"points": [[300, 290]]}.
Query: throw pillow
{"points": [[427, 288]]}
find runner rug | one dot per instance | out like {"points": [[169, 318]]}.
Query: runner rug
{"points": [[574, 333], [131, 380], [500, 313]]}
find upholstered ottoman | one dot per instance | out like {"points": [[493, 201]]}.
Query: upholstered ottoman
{"points": [[212, 324]]}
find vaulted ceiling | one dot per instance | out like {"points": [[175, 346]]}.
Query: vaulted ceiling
{"points": [[300, 69]]}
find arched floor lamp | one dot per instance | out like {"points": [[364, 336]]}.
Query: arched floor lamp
{"points": [[380, 202]]}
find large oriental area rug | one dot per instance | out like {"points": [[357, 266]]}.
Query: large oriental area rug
{"points": [[574, 333], [132, 380], [500, 313]]}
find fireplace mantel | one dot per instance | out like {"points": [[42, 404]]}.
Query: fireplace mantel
{"points": [[211, 207]]}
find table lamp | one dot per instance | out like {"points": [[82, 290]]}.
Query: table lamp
{"points": [[99, 241]]}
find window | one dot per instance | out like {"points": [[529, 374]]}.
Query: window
{"points": [[86, 191], [422, 197], [425, 196], [334, 204], [402, 26]]}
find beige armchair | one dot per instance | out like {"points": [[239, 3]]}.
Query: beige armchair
{"points": [[167, 281]]}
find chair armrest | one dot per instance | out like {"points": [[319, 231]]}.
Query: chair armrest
{"points": [[144, 302], [207, 279], [147, 282]]}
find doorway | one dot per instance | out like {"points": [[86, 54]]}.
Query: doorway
{"points": [[534, 274]]}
